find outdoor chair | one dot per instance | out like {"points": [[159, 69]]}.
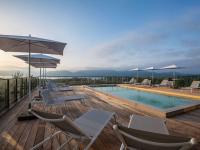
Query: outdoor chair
{"points": [[61, 99], [146, 82], [194, 85], [84, 129], [149, 133]]}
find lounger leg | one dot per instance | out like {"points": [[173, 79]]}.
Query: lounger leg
{"points": [[48, 138], [115, 118], [65, 143], [83, 101], [122, 147]]}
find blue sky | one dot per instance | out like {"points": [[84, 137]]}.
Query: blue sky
{"points": [[117, 34]]}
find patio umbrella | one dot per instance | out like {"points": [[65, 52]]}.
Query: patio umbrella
{"points": [[136, 69], [152, 71], [39, 59], [43, 66], [29, 44], [172, 67]]}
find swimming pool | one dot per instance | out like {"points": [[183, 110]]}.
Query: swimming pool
{"points": [[161, 102]]}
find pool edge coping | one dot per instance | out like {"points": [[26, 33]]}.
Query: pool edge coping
{"points": [[146, 108], [193, 97]]}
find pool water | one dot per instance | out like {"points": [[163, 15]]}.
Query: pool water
{"points": [[155, 100]]}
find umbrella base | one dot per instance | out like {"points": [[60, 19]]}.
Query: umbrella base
{"points": [[26, 116]]}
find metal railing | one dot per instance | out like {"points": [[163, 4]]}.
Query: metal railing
{"points": [[80, 80], [12, 91], [182, 81]]}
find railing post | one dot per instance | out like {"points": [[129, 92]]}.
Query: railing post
{"points": [[26, 86], [7, 94], [15, 89]]}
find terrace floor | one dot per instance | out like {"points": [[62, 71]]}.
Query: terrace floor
{"points": [[23, 135]]}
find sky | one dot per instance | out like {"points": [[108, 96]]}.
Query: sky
{"points": [[108, 34]]}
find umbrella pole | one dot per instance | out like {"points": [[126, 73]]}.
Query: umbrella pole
{"points": [[40, 78], [46, 74], [29, 70], [43, 79], [174, 78]]}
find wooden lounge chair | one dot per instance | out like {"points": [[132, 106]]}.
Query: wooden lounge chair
{"points": [[149, 133], [84, 129]]}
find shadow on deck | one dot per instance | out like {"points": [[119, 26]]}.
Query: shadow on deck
{"points": [[23, 135]]}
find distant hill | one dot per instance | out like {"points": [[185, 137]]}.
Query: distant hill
{"points": [[96, 73], [110, 73]]}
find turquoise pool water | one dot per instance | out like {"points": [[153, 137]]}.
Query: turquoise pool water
{"points": [[162, 102]]}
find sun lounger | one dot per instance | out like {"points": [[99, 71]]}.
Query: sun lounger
{"points": [[149, 133], [194, 85], [61, 99], [62, 89], [53, 87], [132, 81], [86, 128], [146, 82], [165, 83]]}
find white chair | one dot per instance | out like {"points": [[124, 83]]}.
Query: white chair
{"points": [[84, 129], [149, 133]]}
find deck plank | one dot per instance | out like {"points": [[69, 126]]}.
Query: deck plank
{"points": [[24, 135]]}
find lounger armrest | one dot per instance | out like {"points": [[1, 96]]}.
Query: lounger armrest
{"points": [[191, 142], [45, 119], [121, 134]]}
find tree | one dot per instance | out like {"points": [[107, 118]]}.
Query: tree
{"points": [[17, 75]]}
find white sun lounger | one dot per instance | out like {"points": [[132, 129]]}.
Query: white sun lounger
{"points": [[164, 83], [194, 85], [132, 81], [149, 133], [146, 82], [86, 128]]}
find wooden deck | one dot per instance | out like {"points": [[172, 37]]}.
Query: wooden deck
{"points": [[23, 135]]}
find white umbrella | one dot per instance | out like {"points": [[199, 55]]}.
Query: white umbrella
{"points": [[152, 69], [136, 69], [12, 43], [38, 58], [173, 67], [44, 66]]}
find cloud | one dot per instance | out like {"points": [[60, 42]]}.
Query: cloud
{"points": [[193, 53], [158, 42], [129, 43], [190, 43]]}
